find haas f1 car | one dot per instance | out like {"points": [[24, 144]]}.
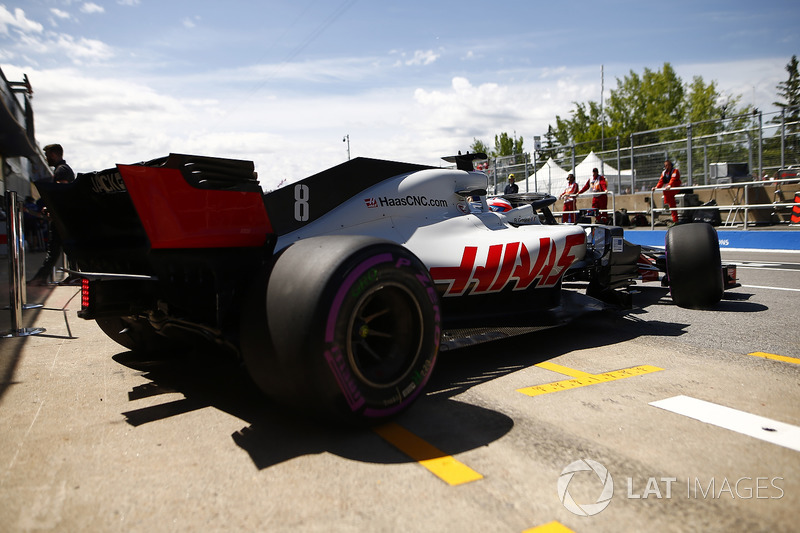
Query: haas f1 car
{"points": [[338, 291]]}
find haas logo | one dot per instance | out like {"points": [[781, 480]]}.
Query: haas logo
{"points": [[371, 202], [509, 263]]}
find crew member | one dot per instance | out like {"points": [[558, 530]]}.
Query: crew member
{"points": [[511, 188], [670, 178], [598, 184], [569, 200], [62, 173]]}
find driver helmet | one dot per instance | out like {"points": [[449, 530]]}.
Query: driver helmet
{"points": [[500, 205]]}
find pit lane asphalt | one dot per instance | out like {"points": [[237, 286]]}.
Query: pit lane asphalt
{"points": [[93, 438]]}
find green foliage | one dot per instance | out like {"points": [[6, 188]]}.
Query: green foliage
{"points": [[549, 142], [479, 146], [789, 91], [584, 125], [505, 145], [651, 101], [654, 100], [701, 103]]}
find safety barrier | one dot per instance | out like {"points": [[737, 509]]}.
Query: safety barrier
{"points": [[734, 208], [16, 268], [577, 213], [744, 207]]}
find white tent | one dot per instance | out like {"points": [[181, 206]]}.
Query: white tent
{"points": [[550, 179], [583, 172]]}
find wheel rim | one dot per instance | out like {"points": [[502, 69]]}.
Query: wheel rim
{"points": [[385, 335]]}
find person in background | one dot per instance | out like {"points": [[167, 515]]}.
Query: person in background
{"points": [[597, 183], [32, 222], [568, 196], [670, 179], [62, 173], [511, 188]]}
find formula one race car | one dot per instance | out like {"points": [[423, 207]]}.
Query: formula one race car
{"points": [[338, 291]]}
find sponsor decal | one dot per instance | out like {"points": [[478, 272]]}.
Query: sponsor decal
{"points": [[344, 377], [510, 263], [405, 201], [364, 282], [521, 219], [108, 183]]}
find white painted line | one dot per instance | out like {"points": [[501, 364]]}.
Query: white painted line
{"points": [[748, 424], [759, 250], [768, 269], [773, 288]]}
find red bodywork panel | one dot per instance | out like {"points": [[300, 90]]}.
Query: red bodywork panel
{"points": [[176, 215]]}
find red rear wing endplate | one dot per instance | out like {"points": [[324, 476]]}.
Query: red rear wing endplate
{"points": [[176, 215]]}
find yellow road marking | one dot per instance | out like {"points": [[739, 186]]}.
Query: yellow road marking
{"points": [[571, 372], [444, 466], [550, 527], [783, 358], [585, 379]]}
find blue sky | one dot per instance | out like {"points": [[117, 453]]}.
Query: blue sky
{"points": [[282, 82]]}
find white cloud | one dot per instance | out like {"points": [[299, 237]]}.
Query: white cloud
{"points": [[91, 8], [291, 133], [60, 14], [422, 57], [78, 51], [17, 20], [83, 48], [307, 72], [757, 89]]}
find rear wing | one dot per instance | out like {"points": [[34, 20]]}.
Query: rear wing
{"points": [[179, 201]]}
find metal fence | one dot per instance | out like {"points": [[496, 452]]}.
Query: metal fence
{"points": [[735, 149]]}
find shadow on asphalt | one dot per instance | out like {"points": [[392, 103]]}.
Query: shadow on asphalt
{"points": [[732, 302], [274, 434]]}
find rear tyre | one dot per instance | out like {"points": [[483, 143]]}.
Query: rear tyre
{"points": [[353, 328], [694, 267]]}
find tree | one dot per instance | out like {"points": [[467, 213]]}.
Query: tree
{"points": [[479, 146], [549, 143], [789, 91], [584, 125], [653, 101], [703, 103], [505, 145]]}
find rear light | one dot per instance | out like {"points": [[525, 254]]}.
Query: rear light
{"points": [[84, 293]]}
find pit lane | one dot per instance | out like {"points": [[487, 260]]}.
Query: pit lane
{"points": [[95, 438]]}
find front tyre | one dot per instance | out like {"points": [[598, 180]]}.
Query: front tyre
{"points": [[694, 266], [354, 324]]}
